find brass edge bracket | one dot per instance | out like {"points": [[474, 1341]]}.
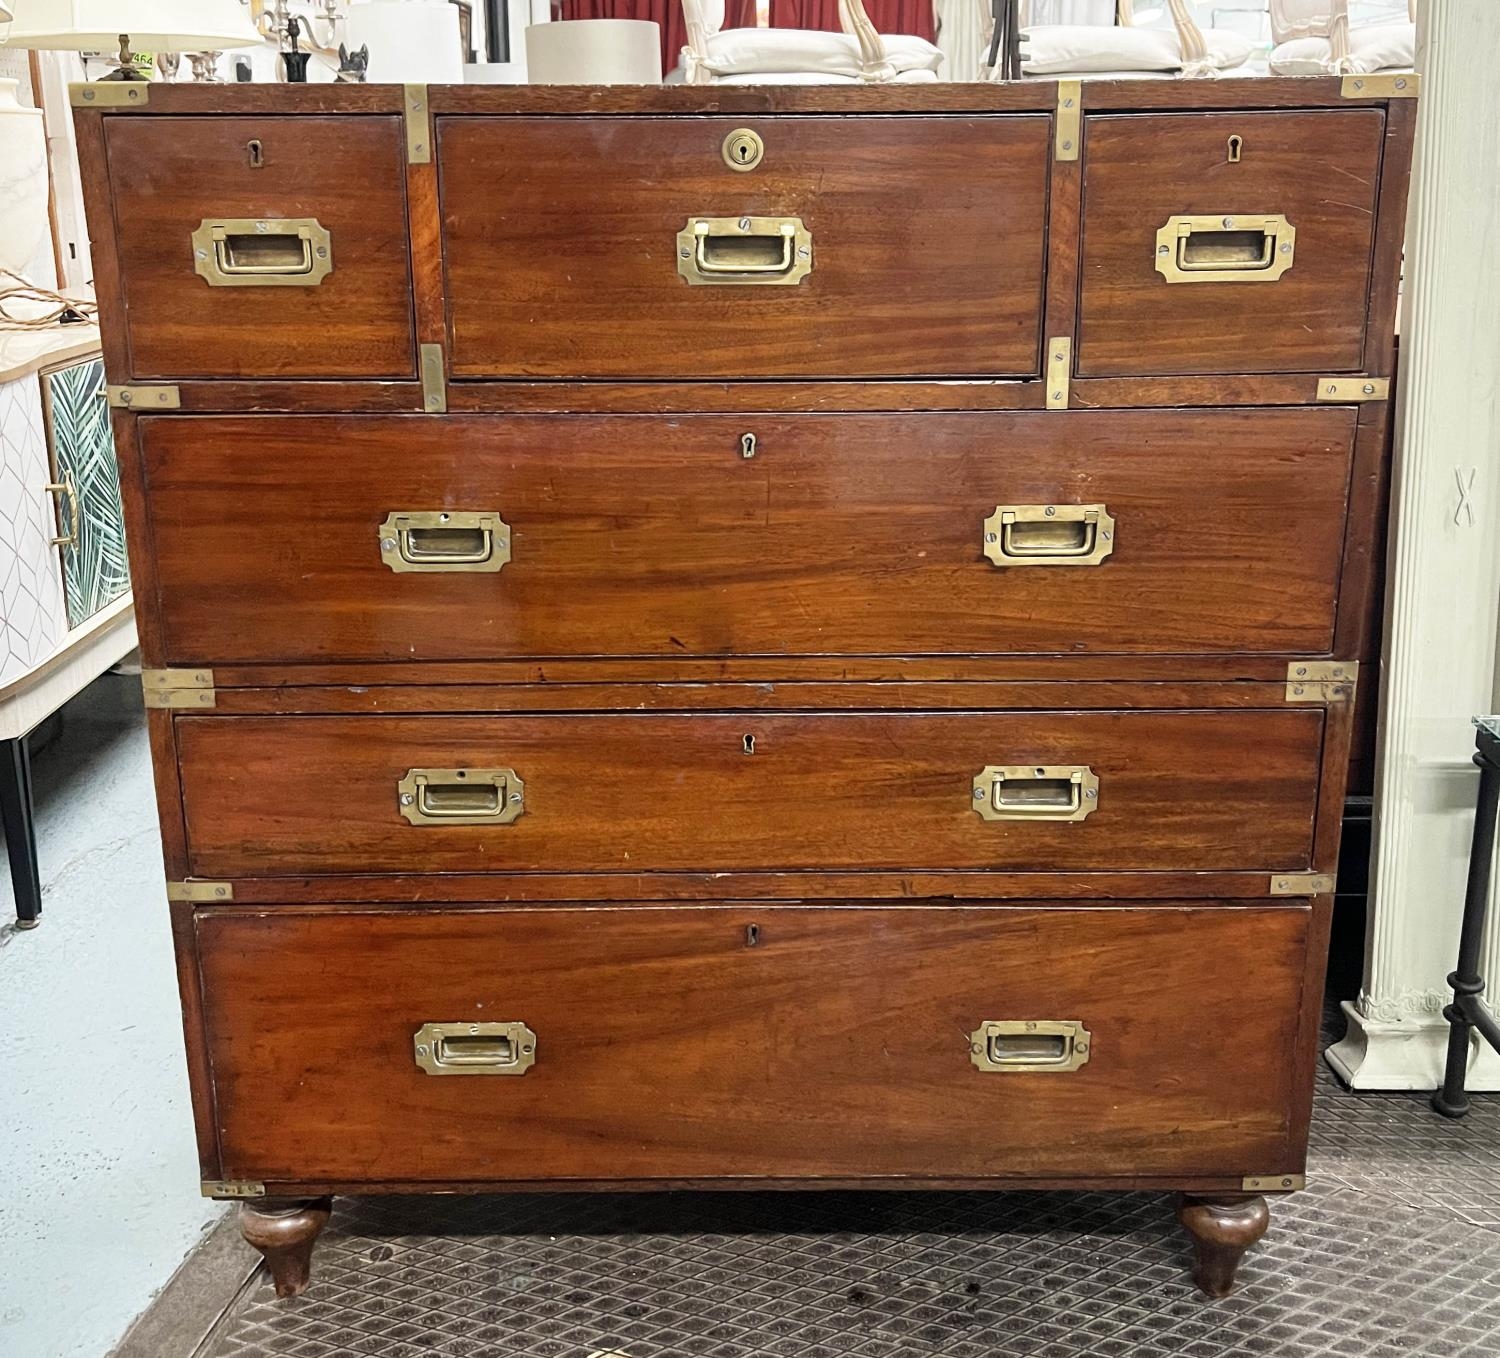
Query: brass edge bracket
{"points": [[1321, 681], [200, 893], [1302, 884], [232, 1188], [1342, 390], [418, 126], [1059, 368], [145, 398], [1069, 119], [1405, 86], [178, 688], [434, 380], [1273, 1183], [110, 94]]}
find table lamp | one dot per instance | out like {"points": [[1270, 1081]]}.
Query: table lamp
{"points": [[151, 25]]}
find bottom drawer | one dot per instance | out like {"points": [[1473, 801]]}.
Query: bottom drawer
{"points": [[757, 1041]]}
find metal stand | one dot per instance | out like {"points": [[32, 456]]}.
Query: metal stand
{"points": [[20, 830], [1468, 1012]]}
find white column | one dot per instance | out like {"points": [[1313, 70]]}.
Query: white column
{"points": [[1444, 570]]}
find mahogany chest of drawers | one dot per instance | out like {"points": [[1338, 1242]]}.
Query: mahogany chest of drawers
{"points": [[751, 637]]}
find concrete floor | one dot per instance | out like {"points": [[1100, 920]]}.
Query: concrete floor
{"points": [[99, 1198]]}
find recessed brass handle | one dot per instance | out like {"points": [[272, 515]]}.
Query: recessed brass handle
{"points": [[266, 252], [1033, 1046], [1060, 792], [461, 796], [68, 489], [1049, 535], [1229, 249], [774, 251], [444, 540], [475, 1048]]}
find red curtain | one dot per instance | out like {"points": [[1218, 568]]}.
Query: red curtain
{"points": [[667, 13], [888, 16]]}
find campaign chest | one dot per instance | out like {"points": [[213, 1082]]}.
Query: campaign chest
{"points": [[751, 637]]}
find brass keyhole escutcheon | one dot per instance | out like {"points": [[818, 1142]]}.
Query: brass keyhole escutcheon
{"points": [[1236, 148], [743, 149]]}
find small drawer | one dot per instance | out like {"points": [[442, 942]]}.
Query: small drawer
{"points": [[459, 537], [644, 248], [638, 1043], [1119, 791], [262, 247], [1227, 242]]}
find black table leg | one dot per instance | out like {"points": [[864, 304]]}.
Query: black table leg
{"points": [[20, 830], [1465, 1013]]}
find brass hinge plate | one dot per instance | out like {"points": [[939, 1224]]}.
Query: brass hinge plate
{"points": [[200, 893], [1274, 1183], [1059, 368], [418, 126], [1302, 884], [110, 94], [1321, 681], [1407, 85], [178, 688], [1069, 119], [1346, 390], [145, 398], [434, 380], [232, 1188]]}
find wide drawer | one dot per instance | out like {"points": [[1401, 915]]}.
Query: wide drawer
{"points": [[1129, 532], [740, 1042], [858, 247], [262, 246], [1232, 790], [1228, 242]]}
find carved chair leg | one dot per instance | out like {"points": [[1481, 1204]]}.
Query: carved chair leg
{"points": [[284, 1232], [1223, 1227]]}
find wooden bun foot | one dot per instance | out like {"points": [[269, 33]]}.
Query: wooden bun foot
{"points": [[284, 1232], [1223, 1227]]}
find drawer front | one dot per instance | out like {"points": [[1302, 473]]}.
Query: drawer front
{"points": [[841, 535], [755, 1042], [1184, 248], [1181, 791], [263, 247], [916, 246]]}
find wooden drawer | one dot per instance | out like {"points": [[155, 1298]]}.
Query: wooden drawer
{"points": [[242, 302], [1232, 790], [843, 535], [740, 1042], [924, 240], [1224, 312]]}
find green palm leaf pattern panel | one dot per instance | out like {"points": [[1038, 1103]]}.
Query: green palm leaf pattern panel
{"points": [[95, 571]]}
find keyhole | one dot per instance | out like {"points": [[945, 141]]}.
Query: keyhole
{"points": [[1236, 145], [747, 445], [752, 935], [257, 155], [748, 744]]}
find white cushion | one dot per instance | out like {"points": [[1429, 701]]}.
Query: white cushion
{"points": [[753, 51], [1054, 49], [816, 78], [1376, 47]]}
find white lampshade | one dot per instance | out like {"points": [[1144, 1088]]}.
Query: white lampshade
{"points": [[5, 14], [411, 42], [594, 52], [152, 25]]}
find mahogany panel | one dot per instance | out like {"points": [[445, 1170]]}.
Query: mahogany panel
{"points": [[1321, 170], [707, 1043], [656, 537], [560, 241], [640, 793], [167, 176]]}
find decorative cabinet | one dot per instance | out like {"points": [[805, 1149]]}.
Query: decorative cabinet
{"points": [[838, 672]]}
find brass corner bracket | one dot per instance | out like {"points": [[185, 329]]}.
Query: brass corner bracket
{"points": [[1303, 884], [434, 380], [232, 1188], [1406, 85], [1321, 681], [178, 688], [114, 94], [200, 893], [1348, 390], [1273, 1183], [1069, 119], [144, 398], [418, 120], [1059, 371]]}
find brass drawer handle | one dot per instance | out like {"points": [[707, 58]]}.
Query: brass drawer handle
{"points": [[774, 251], [444, 540], [1256, 249], [1060, 792], [1049, 535], [475, 1048], [1036, 1046], [461, 796], [269, 252], [68, 489]]}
